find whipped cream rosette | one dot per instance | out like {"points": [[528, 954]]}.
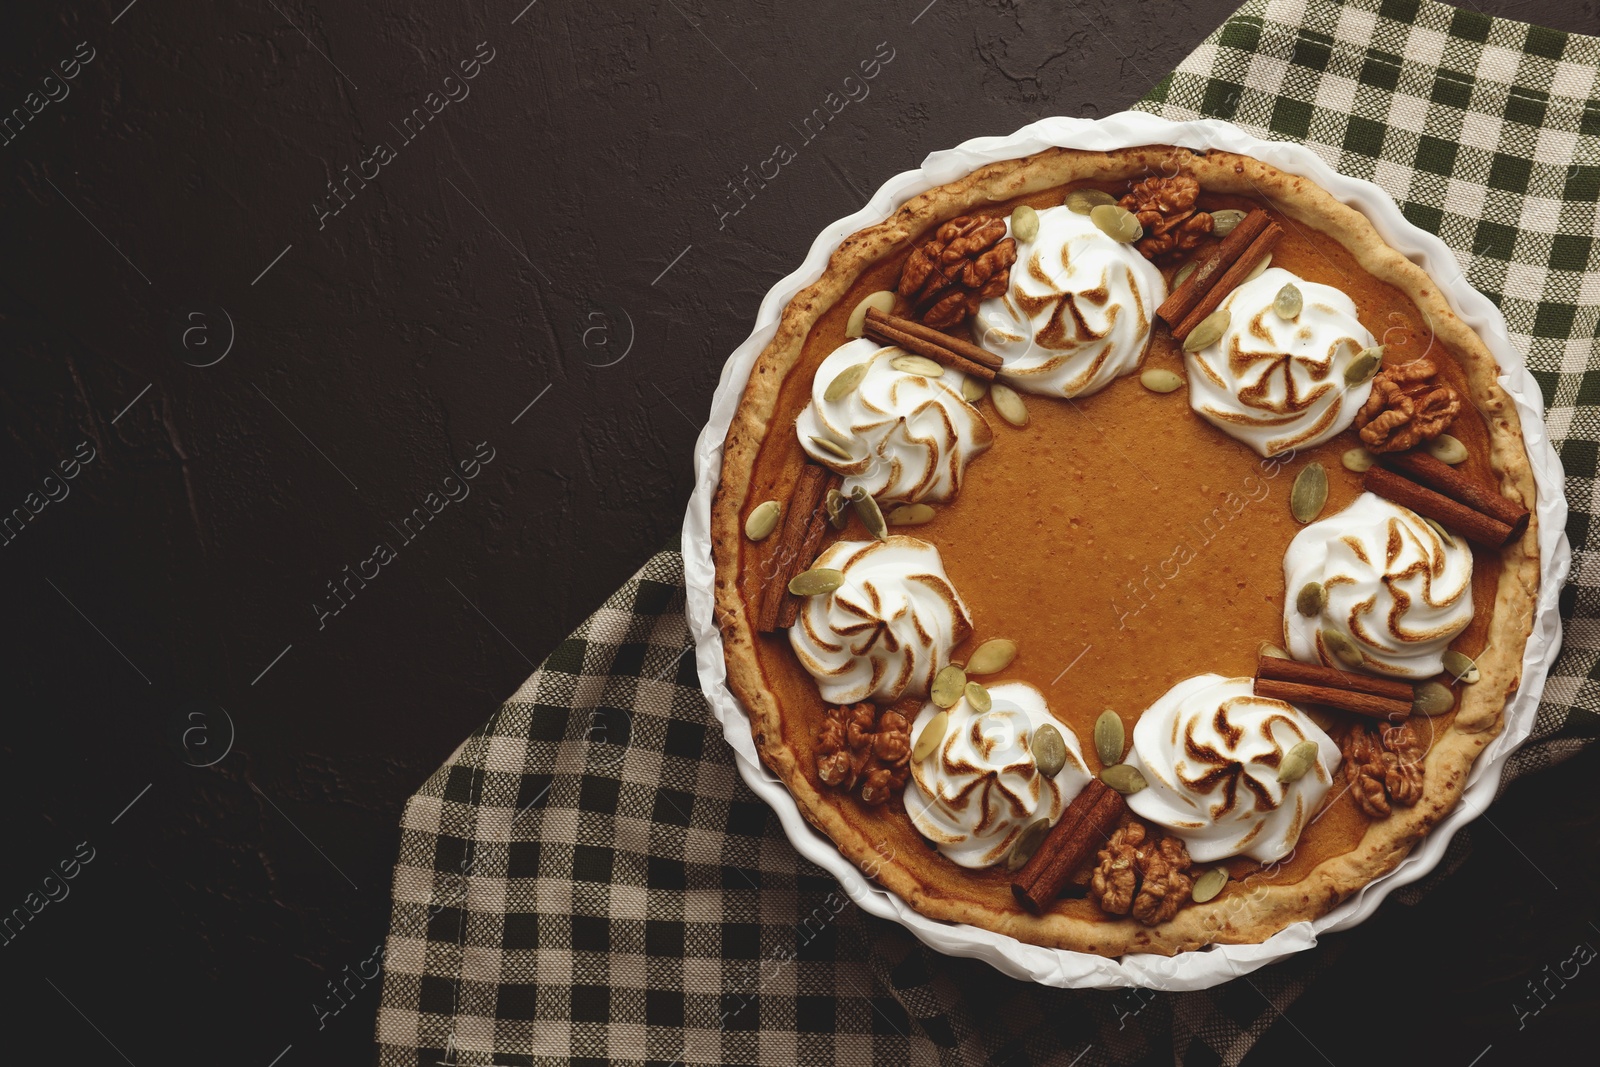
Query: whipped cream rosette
{"points": [[909, 436], [1078, 310], [888, 629], [1210, 750], [1278, 384], [1392, 585], [981, 787]]}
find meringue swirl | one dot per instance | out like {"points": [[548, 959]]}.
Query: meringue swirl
{"points": [[888, 629], [1210, 749], [981, 787], [1078, 310], [1394, 587], [910, 437], [1278, 384]]}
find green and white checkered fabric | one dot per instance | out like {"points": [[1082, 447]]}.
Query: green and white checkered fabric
{"points": [[1487, 133], [588, 880]]}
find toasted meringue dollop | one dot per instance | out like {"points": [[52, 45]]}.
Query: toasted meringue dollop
{"points": [[1210, 749], [888, 629], [1077, 313], [1394, 586], [1278, 384], [910, 437], [980, 788]]}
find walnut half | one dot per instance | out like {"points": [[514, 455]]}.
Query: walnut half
{"points": [[1140, 875], [1165, 207], [1384, 767], [967, 262], [1406, 407], [859, 744]]}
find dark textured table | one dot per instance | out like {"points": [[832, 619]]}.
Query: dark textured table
{"points": [[353, 354]]}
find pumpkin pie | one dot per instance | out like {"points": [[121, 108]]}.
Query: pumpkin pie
{"points": [[1124, 551]]}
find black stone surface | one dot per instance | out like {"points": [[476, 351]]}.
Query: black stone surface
{"points": [[545, 276]]}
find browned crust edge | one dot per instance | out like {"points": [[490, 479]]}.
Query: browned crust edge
{"points": [[1236, 917]]}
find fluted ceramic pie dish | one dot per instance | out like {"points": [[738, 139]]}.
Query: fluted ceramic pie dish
{"points": [[965, 909]]}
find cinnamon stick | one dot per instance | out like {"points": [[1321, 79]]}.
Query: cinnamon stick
{"points": [[1458, 486], [1292, 670], [789, 606], [1474, 525], [1373, 707], [801, 531], [1176, 307], [1253, 254], [1082, 829], [965, 349], [946, 351]]}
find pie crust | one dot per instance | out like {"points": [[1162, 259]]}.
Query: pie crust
{"points": [[1234, 918]]}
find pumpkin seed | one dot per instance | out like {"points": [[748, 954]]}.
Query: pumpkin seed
{"points": [[1110, 737], [1447, 449], [762, 520], [1009, 404], [1209, 331], [931, 735], [1049, 750], [1433, 698], [917, 365], [1083, 201], [1444, 535], [1024, 223], [816, 581], [1208, 885], [1312, 599], [1123, 778], [1183, 273], [867, 511], [1259, 270], [857, 324], [1461, 667], [834, 504], [1223, 222], [909, 515], [1288, 303], [1343, 648], [845, 382], [1117, 223], [992, 656], [973, 389], [1298, 761], [1161, 380], [949, 685], [1026, 844], [1364, 366], [1358, 460], [832, 448], [1268, 650], [1309, 492], [978, 697]]}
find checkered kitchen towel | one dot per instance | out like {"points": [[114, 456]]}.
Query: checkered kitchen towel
{"points": [[587, 879]]}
